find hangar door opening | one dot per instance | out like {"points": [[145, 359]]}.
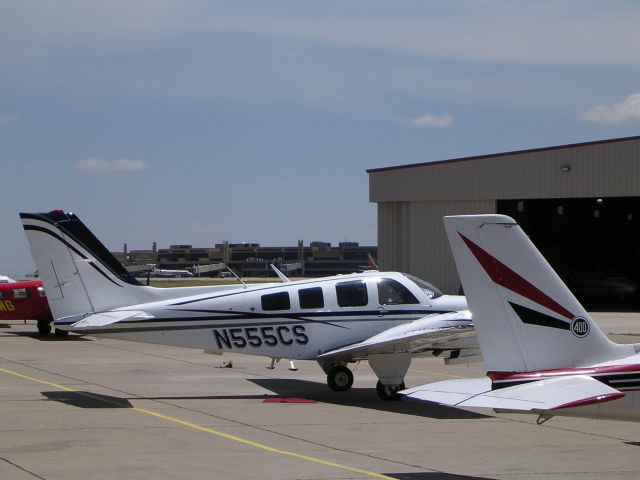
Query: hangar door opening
{"points": [[593, 244]]}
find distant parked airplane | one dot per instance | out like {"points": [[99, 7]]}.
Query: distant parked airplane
{"points": [[544, 353], [164, 273], [383, 317]]}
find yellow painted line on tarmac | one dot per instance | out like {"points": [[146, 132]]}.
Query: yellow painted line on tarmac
{"points": [[262, 446], [211, 431], [37, 380]]}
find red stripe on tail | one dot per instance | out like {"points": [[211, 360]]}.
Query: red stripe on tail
{"points": [[504, 276]]}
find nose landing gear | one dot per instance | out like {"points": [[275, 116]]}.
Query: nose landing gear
{"points": [[340, 378]]}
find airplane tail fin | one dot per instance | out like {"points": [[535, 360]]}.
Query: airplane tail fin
{"points": [[525, 317], [80, 275], [371, 263]]}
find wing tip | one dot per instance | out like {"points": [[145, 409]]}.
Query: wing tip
{"points": [[584, 402]]}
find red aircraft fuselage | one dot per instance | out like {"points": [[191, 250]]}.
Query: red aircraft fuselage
{"points": [[24, 301]]}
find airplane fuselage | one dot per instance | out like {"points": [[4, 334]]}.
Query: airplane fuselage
{"points": [[386, 318], [297, 320], [24, 301]]}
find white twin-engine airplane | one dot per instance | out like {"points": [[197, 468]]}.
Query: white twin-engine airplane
{"points": [[383, 317], [543, 352]]}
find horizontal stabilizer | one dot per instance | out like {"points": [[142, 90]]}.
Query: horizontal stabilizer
{"points": [[541, 395], [106, 318]]}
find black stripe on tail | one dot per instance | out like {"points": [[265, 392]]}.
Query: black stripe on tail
{"points": [[72, 227]]}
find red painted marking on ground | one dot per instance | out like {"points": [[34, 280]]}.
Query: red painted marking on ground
{"points": [[288, 400]]}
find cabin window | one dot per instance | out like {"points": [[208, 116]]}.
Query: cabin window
{"points": [[391, 292], [311, 297], [1, 294], [352, 294], [42, 292], [276, 301], [21, 293]]}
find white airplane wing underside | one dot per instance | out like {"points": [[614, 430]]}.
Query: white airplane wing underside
{"points": [[449, 331], [540, 395]]}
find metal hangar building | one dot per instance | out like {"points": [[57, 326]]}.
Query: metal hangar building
{"points": [[579, 203]]}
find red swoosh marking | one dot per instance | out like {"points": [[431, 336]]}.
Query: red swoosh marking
{"points": [[504, 276]]}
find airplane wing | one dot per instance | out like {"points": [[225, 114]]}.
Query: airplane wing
{"points": [[104, 318], [540, 395], [438, 332]]}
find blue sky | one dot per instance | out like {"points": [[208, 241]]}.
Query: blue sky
{"points": [[203, 121]]}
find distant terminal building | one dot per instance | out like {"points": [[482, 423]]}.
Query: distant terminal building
{"points": [[579, 203], [252, 260]]}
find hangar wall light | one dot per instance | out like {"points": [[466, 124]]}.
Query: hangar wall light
{"points": [[565, 168]]}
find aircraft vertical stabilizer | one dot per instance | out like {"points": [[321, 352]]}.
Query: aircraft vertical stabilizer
{"points": [[80, 275], [525, 317]]}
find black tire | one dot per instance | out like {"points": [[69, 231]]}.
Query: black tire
{"points": [[389, 393], [44, 328], [340, 379], [61, 333]]}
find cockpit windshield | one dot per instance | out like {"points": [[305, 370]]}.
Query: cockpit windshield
{"points": [[426, 287]]}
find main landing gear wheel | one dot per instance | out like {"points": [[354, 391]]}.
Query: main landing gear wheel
{"points": [[44, 328], [389, 392], [340, 379], [61, 333]]}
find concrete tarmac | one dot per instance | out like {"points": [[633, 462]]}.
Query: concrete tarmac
{"points": [[104, 409]]}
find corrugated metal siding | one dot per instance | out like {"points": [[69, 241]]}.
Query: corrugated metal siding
{"points": [[412, 201], [390, 235], [610, 169], [411, 238]]}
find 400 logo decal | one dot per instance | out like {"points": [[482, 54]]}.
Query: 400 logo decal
{"points": [[580, 327], [242, 337]]}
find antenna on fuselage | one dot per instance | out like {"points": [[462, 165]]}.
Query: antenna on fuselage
{"points": [[281, 275], [244, 285]]}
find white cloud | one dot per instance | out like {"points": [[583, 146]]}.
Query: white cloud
{"points": [[432, 120], [345, 57], [93, 164], [6, 119], [571, 32], [497, 31], [627, 109], [124, 165]]}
